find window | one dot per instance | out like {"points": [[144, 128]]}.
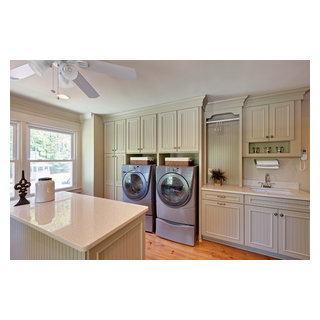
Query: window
{"points": [[50, 154], [13, 156]]}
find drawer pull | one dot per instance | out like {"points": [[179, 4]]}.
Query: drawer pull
{"points": [[281, 215], [275, 214], [221, 203], [221, 196]]}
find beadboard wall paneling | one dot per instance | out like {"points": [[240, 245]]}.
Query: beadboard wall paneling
{"points": [[223, 150]]}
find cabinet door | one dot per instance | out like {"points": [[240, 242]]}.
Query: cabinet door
{"points": [[119, 136], [256, 123], [133, 135], [118, 193], [148, 134], [294, 234], [109, 137], [167, 129], [281, 121], [119, 161], [222, 220], [261, 228], [109, 176], [188, 130]]}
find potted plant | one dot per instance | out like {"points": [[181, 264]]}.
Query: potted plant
{"points": [[217, 176]]}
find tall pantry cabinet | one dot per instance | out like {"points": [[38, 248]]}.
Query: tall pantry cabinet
{"points": [[114, 158]]}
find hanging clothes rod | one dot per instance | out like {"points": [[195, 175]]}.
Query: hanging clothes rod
{"points": [[222, 120]]}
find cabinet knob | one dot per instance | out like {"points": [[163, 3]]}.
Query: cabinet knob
{"points": [[178, 147], [281, 215], [267, 136], [271, 136], [221, 203], [275, 214]]}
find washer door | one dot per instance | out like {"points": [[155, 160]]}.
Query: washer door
{"points": [[134, 185], [173, 189]]}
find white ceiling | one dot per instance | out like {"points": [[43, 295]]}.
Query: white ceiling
{"points": [[161, 81]]}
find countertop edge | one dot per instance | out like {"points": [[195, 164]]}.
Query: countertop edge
{"points": [[72, 245], [104, 237], [245, 191]]}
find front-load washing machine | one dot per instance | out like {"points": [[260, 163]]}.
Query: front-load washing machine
{"points": [[138, 186], [177, 203]]}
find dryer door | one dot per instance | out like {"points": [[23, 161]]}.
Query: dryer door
{"points": [[134, 185], [173, 189]]}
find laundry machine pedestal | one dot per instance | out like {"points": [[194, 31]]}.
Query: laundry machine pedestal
{"points": [[177, 232]]}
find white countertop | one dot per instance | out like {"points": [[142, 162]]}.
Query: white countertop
{"points": [[297, 194], [78, 220]]}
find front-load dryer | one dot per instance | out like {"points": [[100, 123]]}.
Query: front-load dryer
{"points": [[177, 203], [138, 186]]}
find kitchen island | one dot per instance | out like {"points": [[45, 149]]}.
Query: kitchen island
{"points": [[77, 227]]}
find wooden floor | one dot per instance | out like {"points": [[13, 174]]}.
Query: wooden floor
{"points": [[162, 249]]}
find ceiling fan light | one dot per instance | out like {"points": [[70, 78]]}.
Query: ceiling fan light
{"points": [[62, 96], [69, 71]]}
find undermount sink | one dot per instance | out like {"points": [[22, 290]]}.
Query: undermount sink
{"points": [[271, 190]]}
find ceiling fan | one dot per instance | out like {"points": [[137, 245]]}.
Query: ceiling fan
{"points": [[68, 71]]}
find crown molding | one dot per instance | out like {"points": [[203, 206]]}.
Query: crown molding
{"points": [[281, 96], [30, 106], [225, 105], [159, 108]]}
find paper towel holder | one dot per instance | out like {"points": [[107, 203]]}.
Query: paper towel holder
{"points": [[267, 164]]}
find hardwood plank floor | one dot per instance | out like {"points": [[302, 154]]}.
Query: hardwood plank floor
{"points": [[161, 249]]}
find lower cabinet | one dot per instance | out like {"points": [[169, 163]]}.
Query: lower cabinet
{"points": [[222, 220], [280, 226], [113, 176], [279, 231]]}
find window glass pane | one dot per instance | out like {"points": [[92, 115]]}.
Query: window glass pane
{"points": [[12, 183], [50, 145], [60, 172], [11, 142]]}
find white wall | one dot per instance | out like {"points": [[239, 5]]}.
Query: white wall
{"points": [[87, 157], [92, 155]]}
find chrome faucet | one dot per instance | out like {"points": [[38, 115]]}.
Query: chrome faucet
{"points": [[267, 182]]}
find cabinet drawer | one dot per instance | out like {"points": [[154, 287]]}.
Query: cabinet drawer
{"points": [[278, 203], [222, 196]]}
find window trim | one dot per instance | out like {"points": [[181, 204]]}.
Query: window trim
{"points": [[16, 158]]}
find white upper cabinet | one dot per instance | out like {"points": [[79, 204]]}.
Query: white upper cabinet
{"points": [[119, 132], [188, 130], [179, 131], [141, 134], [281, 116], [109, 137], [256, 123], [114, 136], [148, 135], [133, 135], [272, 122], [167, 138]]}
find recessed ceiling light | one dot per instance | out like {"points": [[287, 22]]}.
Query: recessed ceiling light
{"points": [[62, 96]]}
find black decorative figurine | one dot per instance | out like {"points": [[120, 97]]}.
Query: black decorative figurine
{"points": [[22, 186]]}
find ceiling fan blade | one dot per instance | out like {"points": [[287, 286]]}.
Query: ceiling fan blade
{"points": [[113, 70], [40, 67], [85, 86], [21, 72]]}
